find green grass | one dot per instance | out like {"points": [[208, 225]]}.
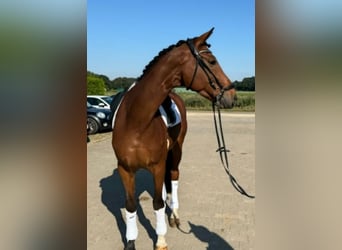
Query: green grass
{"points": [[245, 101], [193, 101]]}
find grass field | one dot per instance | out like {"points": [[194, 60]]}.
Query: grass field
{"points": [[193, 101]]}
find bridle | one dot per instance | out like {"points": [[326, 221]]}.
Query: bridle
{"points": [[223, 151], [207, 71]]}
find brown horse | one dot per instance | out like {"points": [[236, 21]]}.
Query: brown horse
{"points": [[142, 140]]}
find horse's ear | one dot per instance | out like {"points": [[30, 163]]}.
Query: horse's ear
{"points": [[202, 38]]}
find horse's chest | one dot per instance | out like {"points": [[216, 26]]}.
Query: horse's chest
{"points": [[142, 148], [144, 152], [142, 156]]}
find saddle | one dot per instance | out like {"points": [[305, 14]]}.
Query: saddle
{"points": [[170, 112]]}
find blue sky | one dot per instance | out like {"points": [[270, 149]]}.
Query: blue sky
{"points": [[124, 36]]}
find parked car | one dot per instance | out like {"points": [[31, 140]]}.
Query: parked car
{"points": [[98, 119], [100, 101]]}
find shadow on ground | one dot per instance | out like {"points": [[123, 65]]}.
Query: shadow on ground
{"points": [[113, 197], [213, 240]]}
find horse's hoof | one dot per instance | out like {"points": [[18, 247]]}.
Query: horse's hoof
{"points": [[174, 222], [130, 245], [161, 248]]}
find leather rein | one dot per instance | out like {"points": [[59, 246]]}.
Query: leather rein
{"points": [[223, 151]]}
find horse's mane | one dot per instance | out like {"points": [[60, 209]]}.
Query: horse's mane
{"points": [[156, 58]]}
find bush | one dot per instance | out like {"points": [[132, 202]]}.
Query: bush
{"points": [[95, 86]]}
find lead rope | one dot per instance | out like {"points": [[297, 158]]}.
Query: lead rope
{"points": [[224, 152]]}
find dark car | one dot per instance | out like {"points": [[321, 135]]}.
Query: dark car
{"points": [[98, 119], [100, 101]]}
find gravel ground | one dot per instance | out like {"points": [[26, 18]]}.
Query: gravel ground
{"points": [[213, 214]]}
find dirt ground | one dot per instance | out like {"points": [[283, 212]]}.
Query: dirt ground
{"points": [[213, 214]]}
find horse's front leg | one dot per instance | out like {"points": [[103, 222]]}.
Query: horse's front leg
{"points": [[128, 180], [159, 206]]}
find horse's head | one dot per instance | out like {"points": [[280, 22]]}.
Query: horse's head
{"points": [[203, 73]]}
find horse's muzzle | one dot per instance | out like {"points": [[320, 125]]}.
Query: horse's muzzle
{"points": [[227, 100]]}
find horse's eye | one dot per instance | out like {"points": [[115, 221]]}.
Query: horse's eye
{"points": [[212, 62]]}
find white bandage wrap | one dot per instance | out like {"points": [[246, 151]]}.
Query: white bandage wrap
{"points": [[131, 226], [164, 194], [160, 221], [174, 195]]}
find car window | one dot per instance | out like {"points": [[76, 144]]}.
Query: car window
{"points": [[91, 101], [94, 101]]}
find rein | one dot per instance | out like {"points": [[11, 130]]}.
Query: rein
{"points": [[224, 151], [218, 125]]}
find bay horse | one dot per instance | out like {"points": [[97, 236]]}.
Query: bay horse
{"points": [[142, 140]]}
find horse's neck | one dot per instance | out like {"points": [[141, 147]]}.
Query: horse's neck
{"points": [[152, 89], [148, 94]]}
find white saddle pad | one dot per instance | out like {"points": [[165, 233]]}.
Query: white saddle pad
{"points": [[165, 118]]}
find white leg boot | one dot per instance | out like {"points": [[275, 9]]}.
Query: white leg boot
{"points": [[174, 204], [161, 228], [131, 226]]}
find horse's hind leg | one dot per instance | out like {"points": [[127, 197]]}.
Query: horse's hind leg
{"points": [[173, 161], [159, 206], [128, 180]]}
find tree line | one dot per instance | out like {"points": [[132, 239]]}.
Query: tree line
{"points": [[247, 84], [98, 84]]}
